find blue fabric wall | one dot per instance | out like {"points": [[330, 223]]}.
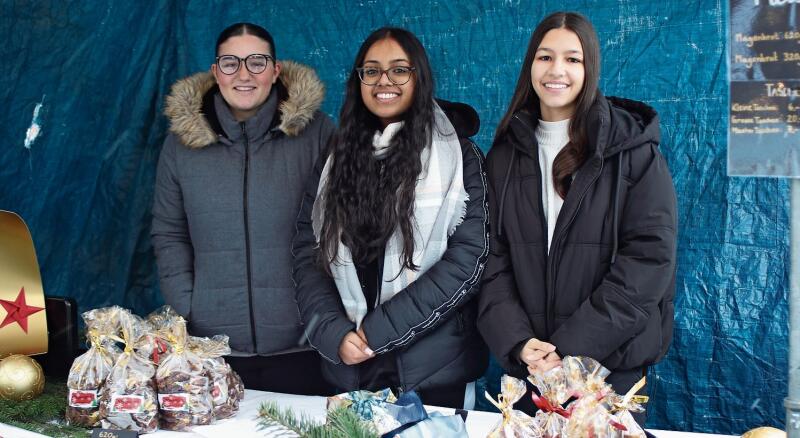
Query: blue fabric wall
{"points": [[101, 69]]}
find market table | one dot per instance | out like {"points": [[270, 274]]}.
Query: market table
{"points": [[245, 423]]}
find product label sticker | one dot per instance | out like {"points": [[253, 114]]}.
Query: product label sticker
{"points": [[127, 404], [173, 402], [219, 392], [83, 398]]}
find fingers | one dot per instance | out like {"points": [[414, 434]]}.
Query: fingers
{"points": [[529, 357], [552, 357], [550, 361], [541, 367], [535, 344], [360, 342], [547, 366], [535, 350], [363, 336], [353, 350]]}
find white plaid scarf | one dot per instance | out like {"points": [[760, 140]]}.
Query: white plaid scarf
{"points": [[440, 203]]}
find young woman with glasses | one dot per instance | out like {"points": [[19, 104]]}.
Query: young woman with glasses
{"points": [[583, 218], [243, 141], [392, 234]]}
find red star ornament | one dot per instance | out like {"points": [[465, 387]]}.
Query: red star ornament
{"points": [[18, 311]]}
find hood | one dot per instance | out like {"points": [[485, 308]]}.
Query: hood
{"points": [[463, 117], [619, 124], [630, 124], [301, 95]]}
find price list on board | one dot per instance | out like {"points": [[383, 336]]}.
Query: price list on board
{"points": [[764, 66]]}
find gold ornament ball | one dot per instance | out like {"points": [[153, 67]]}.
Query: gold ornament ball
{"points": [[21, 378], [764, 432]]}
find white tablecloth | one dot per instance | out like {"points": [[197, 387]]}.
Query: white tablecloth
{"points": [[245, 423]]}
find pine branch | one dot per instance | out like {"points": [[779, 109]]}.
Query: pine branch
{"points": [[342, 423], [51, 404], [346, 423], [282, 422], [44, 414]]}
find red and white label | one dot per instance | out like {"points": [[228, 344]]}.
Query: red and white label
{"points": [[83, 398], [127, 404], [174, 402], [219, 392]]}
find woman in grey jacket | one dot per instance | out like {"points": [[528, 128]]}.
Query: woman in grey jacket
{"points": [[392, 234], [243, 141]]}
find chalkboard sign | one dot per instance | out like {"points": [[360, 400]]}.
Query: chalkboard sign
{"points": [[764, 65]]}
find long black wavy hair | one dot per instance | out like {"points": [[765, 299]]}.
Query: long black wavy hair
{"points": [[574, 153], [366, 199]]}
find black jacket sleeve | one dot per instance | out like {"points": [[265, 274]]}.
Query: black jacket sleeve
{"points": [[502, 320], [644, 271], [449, 283], [321, 310], [170, 233]]}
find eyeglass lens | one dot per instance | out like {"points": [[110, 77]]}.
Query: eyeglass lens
{"points": [[229, 64], [372, 75]]}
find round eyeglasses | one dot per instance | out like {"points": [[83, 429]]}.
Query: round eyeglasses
{"points": [[397, 75], [255, 63]]}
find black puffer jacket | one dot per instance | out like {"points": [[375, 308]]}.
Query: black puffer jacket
{"points": [[606, 289], [431, 324]]}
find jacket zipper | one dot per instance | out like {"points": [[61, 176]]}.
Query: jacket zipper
{"points": [[382, 256], [546, 252], [556, 245], [247, 237]]}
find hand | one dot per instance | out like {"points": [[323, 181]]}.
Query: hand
{"points": [[362, 335], [540, 356], [546, 364], [353, 350]]}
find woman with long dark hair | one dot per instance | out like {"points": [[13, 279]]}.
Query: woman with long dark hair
{"points": [[392, 235], [583, 218]]}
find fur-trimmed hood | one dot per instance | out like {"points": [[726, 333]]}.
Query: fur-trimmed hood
{"points": [[303, 91]]}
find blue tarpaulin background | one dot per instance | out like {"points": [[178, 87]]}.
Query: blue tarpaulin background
{"points": [[98, 72]]}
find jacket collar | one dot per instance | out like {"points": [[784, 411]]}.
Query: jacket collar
{"points": [[614, 125], [194, 117], [257, 126]]}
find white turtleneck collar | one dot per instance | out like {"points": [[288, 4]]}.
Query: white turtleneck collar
{"points": [[552, 137], [552, 134]]}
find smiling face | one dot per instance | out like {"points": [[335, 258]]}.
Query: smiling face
{"points": [[245, 92], [557, 74], [385, 100]]}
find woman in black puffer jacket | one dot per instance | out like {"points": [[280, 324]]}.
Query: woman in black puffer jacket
{"points": [[583, 219], [392, 235]]}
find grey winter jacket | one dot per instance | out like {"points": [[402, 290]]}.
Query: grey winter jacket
{"points": [[226, 198]]}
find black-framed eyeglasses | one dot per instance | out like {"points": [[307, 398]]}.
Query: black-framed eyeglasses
{"points": [[399, 75], [255, 63]]}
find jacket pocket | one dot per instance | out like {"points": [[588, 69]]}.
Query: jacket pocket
{"points": [[643, 349]]}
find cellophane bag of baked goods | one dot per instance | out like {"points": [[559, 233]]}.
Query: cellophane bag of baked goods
{"points": [[226, 388], [554, 392], [89, 371], [183, 383], [623, 405], [128, 400], [515, 424]]}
